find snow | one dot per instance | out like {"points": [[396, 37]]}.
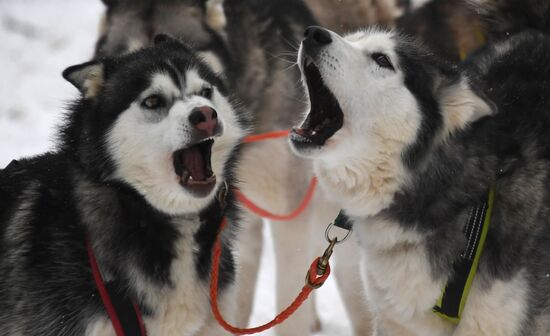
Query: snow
{"points": [[39, 40]]}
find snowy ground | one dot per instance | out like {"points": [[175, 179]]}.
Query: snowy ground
{"points": [[39, 40]]}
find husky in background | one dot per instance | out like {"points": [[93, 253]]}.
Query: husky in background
{"points": [[408, 143], [348, 15], [253, 44], [140, 161], [449, 27]]}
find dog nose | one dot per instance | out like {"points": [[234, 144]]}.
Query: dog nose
{"points": [[204, 118], [316, 35]]}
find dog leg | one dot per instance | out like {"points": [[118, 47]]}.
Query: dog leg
{"points": [[351, 288], [248, 255]]}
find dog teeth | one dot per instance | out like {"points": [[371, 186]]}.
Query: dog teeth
{"points": [[206, 139], [190, 177]]}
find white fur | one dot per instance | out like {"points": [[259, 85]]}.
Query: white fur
{"points": [[497, 310], [181, 309], [142, 146], [215, 14], [399, 285], [213, 61], [461, 106]]}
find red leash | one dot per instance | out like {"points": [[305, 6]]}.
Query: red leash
{"points": [[314, 280], [265, 136], [108, 303], [266, 214], [316, 275], [262, 212]]}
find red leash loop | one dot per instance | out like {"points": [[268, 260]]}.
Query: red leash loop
{"points": [[314, 281], [262, 212], [266, 214]]}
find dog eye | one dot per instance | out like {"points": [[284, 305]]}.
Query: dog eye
{"points": [[382, 60], [153, 102], [206, 92]]}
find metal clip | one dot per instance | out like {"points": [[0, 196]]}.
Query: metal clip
{"points": [[323, 262], [338, 241]]}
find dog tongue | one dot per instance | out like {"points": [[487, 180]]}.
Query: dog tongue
{"points": [[194, 162]]}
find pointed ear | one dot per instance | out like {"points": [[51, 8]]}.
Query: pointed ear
{"points": [[87, 77], [215, 15], [462, 106]]}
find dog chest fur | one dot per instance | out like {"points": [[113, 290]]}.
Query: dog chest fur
{"points": [[179, 308], [398, 277]]}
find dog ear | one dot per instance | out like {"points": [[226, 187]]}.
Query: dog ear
{"points": [[87, 77], [462, 106], [215, 15]]}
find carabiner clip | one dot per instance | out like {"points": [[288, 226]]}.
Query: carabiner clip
{"points": [[336, 240]]}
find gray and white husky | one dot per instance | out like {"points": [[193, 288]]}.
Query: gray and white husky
{"points": [[141, 158], [408, 143]]}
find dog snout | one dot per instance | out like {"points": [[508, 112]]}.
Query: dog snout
{"points": [[205, 119], [315, 36]]}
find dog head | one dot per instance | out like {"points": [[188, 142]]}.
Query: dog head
{"points": [[158, 120], [132, 24], [379, 103]]}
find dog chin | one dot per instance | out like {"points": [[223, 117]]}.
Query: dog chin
{"points": [[306, 151], [177, 201]]}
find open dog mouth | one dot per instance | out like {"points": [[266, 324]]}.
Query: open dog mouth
{"points": [[193, 166], [326, 116]]}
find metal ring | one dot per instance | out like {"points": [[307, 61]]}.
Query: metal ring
{"points": [[338, 241]]}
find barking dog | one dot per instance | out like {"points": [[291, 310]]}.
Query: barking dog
{"points": [[409, 144], [142, 156]]}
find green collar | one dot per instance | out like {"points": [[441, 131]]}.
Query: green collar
{"points": [[453, 299]]}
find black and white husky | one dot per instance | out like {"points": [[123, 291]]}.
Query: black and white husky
{"points": [[142, 156], [408, 144]]}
